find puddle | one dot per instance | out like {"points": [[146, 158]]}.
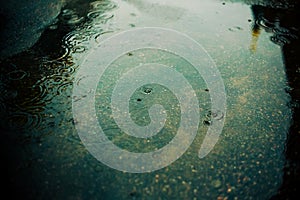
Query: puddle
{"points": [[48, 160]]}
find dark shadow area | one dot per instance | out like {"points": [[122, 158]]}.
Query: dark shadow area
{"points": [[22, 102], [283, 24]]}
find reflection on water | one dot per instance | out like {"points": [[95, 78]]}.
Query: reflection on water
{"points": [[46, 158]]}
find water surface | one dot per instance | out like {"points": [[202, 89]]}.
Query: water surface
{"points": [[46, 157]]}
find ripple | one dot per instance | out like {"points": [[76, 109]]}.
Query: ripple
{"points": [[75, 20], [103, 5], [23, 121], [71, 17], [58, 79], [281, 35], [17, 75], [40, 92], [95, 14], [9, 94], [265, 23], [280, 40], [65, 54], [66, 70], [78, 49], [67, 12], [62, 89], [102, 19], [57, 67], [98, 35], [56, 85], [52, 65], [72, 39]]}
